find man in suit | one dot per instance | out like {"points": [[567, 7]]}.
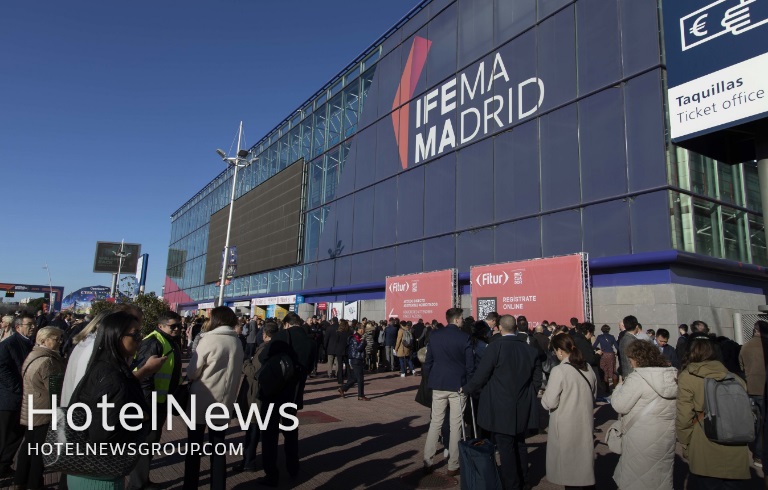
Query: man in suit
{"points": [[509, 376], [448, 366], [669, 352]]}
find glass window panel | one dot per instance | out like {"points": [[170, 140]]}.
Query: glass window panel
{"points": [[421, 81], [344, 216], [390, 71], [310, 276], [365, 157], [707, 225], [440, 196], [602, 145], [387, 156], [391, 42], [336, 87], [327, 244], [351, 107], [559, 159], [639, 34], [729, 183], [332, 160], [371, 59], [511, 18], [239, 286], [757, 240], [702, 171], [645, 131], [352, 74], [362, 239], [335, 118], [752, 187], [546, 7], [409, 258], [475, 185], [440, 253], [557, 58], [346, 172], [606, 229], [647, 211], [410, 205], [561, 233], [306, 138], [516, 168], [318, 140], [474, 248], [343, 270], [416, 22], [681, 221], [368, 97], [735, 234], [285, 147], [475, 38], [383, 264], [441, 62], [361, 268], [316, 183], [518, 240], [295, 139], [598, 44], [325, 272], [297, 278], [385, 213]]}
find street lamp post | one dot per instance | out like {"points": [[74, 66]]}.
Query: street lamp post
{"points": [[120, 255], [236, 162], [50, 287]]}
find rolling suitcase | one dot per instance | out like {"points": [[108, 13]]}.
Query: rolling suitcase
{"points": [[477, 458]]}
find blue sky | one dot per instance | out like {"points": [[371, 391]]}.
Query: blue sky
{"points": [[110, 112]]}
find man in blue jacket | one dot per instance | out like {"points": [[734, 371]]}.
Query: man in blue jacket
{"points": [[13, 351], [448, 366]]}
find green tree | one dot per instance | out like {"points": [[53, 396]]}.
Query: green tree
{"points": [[36, 304], [150, 305]]}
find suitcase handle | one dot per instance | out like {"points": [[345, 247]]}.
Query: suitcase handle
{"points": [[474, 423]]}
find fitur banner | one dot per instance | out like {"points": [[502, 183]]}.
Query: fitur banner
{"points": [[424, 296], [541, 289]]}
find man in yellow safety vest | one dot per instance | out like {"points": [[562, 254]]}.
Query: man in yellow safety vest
{"points": [[163, 341]]}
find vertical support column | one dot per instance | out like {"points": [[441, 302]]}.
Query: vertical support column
{"points": [[761, 153]]}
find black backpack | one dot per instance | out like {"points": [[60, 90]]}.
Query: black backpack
{"points": [[276, 374]]}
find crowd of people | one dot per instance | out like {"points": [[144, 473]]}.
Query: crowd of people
{"points": [[510, 371]]}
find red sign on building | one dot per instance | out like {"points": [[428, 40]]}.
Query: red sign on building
{"points": [[541, 289], [427, 295]]}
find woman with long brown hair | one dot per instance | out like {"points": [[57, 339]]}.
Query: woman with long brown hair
{"points": [[570, 398], [712, 465]]}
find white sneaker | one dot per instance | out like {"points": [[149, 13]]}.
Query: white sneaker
{"points": [[402, 375], [445, 453]]}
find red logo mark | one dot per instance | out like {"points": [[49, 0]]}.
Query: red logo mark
{"points": [[413, 68]]}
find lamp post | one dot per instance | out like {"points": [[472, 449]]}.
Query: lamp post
{"points": [[236, 162], [120, 255], [50, 287]]}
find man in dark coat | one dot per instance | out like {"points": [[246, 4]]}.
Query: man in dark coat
{"points": [[390, 339], [449, 363], [13, 351], [296, 340], [509, 376]]}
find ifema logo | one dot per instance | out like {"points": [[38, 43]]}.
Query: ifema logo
{"points": [[483, 99], [79, 417]]}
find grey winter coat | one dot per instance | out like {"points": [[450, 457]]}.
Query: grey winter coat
{"points": [[648, 448]]}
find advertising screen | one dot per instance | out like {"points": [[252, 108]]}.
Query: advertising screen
{"points": [[107, 259], [541, 289], [427, 296]]}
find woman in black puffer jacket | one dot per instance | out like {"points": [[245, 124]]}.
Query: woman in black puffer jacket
{"points": [[340, 348], [356, 344]]}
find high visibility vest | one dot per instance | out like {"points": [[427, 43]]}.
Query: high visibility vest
{"points": [[163, 377]]}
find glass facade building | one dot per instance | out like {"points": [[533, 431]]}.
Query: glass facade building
{"points": [[482, 131]]}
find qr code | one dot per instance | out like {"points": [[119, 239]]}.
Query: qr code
{"points": [[485, 306]]}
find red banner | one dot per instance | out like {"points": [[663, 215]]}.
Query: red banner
{"points": [[428, 296], [541, 289]]}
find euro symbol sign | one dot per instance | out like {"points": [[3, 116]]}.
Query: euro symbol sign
{"points": [[699, 28]]}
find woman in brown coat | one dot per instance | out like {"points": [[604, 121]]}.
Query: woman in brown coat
{"points": [[42, 364], [712, 465], [404, 347]]}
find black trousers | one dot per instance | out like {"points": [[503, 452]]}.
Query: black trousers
{"points": [[269, 441], [513, 453], [11, 434], [29, 463], [139, 477], [355, 376], [252, 436], [192, 461], [698, 482]]}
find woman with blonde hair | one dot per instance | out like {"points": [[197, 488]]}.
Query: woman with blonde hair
{"points": [[41, 372], [646, 402], [81, 354]]}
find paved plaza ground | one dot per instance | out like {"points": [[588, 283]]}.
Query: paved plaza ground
{"points": [[348, 444]]}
